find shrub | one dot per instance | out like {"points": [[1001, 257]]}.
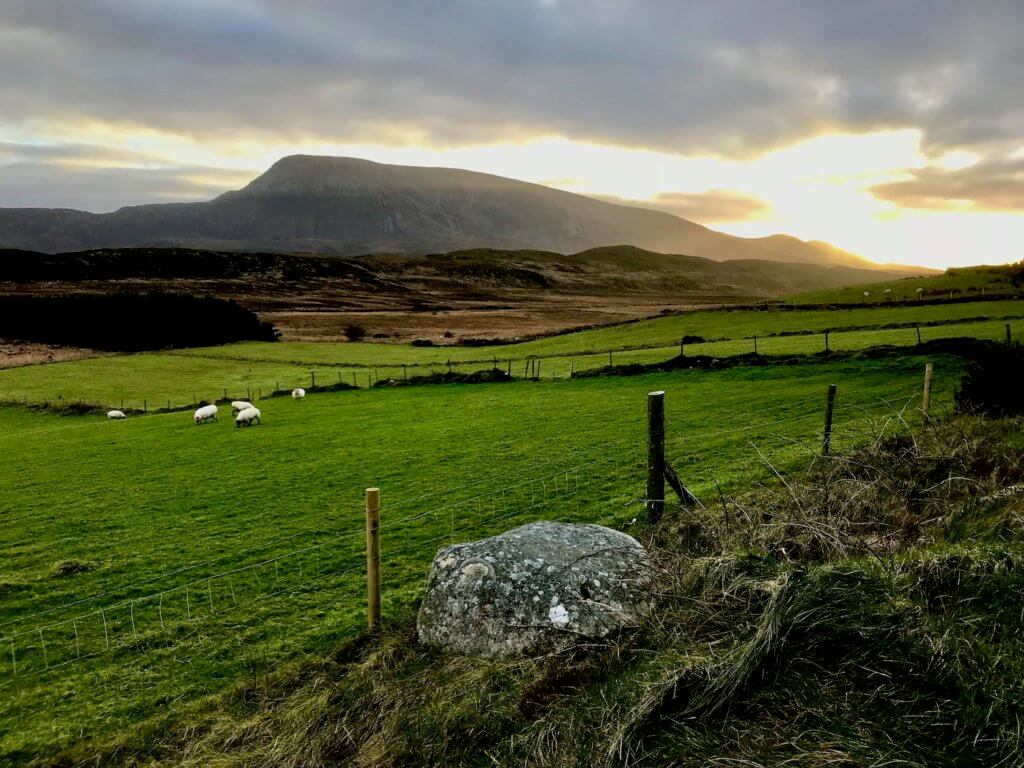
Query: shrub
{"points": [[355, 332], [992, 382]]}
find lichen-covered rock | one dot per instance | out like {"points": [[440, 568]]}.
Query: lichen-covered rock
{"points": [[534, 588]]}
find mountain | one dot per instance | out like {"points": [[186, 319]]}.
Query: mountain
{"points": [[347, 206]]}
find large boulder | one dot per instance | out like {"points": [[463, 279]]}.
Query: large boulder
{"points": [[535, 588]]}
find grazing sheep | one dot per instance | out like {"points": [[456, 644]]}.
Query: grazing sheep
{"points": [[237, 406], [116, 415], [206, 413], [248, 417], [298, 393]]}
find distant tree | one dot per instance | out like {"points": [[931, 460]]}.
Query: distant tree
{"points": [[355, 332]]}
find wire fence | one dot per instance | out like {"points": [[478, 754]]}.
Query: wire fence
{"points": [[320, 376]]}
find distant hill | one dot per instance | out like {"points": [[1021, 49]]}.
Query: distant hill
{"points": [[347, 206]]}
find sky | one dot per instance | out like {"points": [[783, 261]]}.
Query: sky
{"points": [[891, 128]]}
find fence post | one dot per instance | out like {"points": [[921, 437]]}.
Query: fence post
{"points": [[248, 394], [572, 368], [655, 455], [682, 352], [225, 393], [919, 335], [826, 442], [144, 406], [536, 374], [312, 379], [926, 396], [372, 557], [610, 363], [755, 344]]}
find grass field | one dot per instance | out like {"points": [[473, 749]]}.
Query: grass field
{"points": [[150, 562], [248, 370], [966, 281]]}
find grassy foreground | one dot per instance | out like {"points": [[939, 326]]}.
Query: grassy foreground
{"points": [[864, 611], [149, 563]]}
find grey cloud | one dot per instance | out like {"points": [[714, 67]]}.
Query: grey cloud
{"points": [[731, 76], [712, 206], [996, 185], [41, 182]]}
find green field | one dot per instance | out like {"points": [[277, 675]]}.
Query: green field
{"points": [[206, 554], [252, 370], [956, 282]]}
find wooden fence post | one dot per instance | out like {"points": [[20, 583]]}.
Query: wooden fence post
{"points": [[655, 455], [926, 396], [225, 393], [372, 557], [918, 335], [572, 368], [826, 441], [312, 380], [682, 351], [755, 344], [610, 363]]}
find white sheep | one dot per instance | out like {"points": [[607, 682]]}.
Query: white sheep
{"points": [[116, 415], [206, 413], [298, 393], [248, 417], [237, 406]]}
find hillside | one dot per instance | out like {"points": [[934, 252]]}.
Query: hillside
{"points": [[349, 206]]}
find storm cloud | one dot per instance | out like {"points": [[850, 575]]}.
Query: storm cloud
{"points": [[728, 77], [731, 78]]}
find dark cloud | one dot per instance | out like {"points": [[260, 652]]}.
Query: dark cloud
{"points": [[991, 186], [712, 206], [730, 76]]}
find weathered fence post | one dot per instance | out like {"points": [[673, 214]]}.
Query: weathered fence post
{"points": [[572, 368], [610, 363], [682, 351], [918, 328], [261, 393], [926, 396], [826, 441], [372, 557], [655, 455], [312, 379], [755, 344], [225, 393]]}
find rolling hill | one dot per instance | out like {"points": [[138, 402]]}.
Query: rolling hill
{"points": [[348, 206]]}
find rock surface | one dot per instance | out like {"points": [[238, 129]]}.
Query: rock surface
{"points": [[535, 588]]}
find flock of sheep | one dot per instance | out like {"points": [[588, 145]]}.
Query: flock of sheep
{"points": [[246, 414]]}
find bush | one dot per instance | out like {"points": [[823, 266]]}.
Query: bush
{"points": [[355, 332], [992, 382]]}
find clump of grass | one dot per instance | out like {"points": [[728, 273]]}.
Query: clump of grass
{"points": [[64, 568], [864, 611]]}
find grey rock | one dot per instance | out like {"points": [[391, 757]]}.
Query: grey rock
{"points": [[536, 588]]}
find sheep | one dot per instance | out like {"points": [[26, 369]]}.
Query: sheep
{"points": [[298, 393], [248, 417], [112, 415], [237, 406], [204, 414]]}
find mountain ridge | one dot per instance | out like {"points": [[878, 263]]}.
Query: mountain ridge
{"points": [[348, 206]]}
